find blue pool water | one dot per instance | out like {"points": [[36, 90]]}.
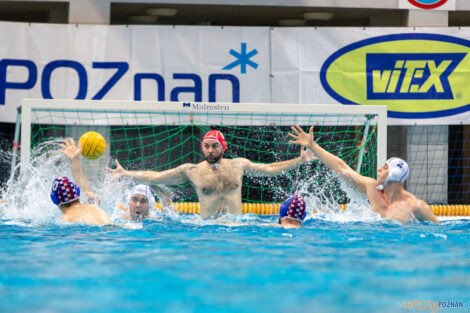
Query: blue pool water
{"points": [[351, 261], [183, 264]]}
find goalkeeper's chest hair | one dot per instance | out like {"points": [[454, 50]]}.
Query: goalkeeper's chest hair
{"points": [[226, 178]]}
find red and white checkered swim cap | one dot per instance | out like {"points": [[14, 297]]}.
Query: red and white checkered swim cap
{"points": [[64, 191], [217, 136], [293, 207]]}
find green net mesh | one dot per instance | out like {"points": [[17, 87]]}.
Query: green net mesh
{"points": [[163, 140]]}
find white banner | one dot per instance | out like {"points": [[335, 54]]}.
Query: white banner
{"points": [[182, 63], [420, 74]]}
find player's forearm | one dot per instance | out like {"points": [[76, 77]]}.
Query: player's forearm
{"points": [[278, 168], [434, 219], [169, 177], [79, 177], [146, 176], [330, 160]]}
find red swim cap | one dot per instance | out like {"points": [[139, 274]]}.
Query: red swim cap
{"points": [[217, 136]]}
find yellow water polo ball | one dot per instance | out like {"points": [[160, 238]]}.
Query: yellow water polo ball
{"points": [[93, 145]]}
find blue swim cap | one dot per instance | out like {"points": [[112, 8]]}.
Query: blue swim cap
{"points": [[64, 191], [293, 207]]}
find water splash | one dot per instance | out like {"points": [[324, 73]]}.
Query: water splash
{"points": [[26, 197], [26, 194], [323, 190]]}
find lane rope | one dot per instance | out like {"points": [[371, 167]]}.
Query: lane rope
{"points": [[273, 208]]}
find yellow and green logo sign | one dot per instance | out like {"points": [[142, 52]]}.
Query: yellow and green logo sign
{"points": [[415, 75]]}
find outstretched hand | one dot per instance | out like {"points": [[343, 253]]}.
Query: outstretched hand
{"points": [[70, 150], [118, 171], [301, 138]]}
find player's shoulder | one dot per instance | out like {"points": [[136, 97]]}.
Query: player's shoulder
{"points": [[239, 162], [369, 182], [188, 166], [92, 206], [419, 203], [415, 203]]}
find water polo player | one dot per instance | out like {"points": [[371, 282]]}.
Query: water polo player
{"points": [[217, 180], [140, 201], [66, 195], [387, 194]]}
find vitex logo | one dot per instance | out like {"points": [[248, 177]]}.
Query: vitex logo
{"points": [[415, 75], [427, 4], [410, 75]]}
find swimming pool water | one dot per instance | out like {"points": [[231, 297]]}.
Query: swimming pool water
{"points": [[183, 265]]}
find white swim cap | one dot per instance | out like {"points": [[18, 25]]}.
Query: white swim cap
{"points": [[145, 191], [398, 171]]}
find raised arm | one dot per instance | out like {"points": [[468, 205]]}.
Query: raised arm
{"points": [[330, 160], [276, 168], [72, 152], [174, 176]]}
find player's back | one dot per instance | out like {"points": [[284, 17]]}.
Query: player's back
{"points": [[86, 213]]}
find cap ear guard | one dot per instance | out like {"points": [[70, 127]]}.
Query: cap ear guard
{"points": [[394, 174], [54, 198]]}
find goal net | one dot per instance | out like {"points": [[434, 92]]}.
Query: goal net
{"points": [[163, 135]]}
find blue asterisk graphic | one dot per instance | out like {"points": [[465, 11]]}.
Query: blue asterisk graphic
{"points": [[243, 59]]}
